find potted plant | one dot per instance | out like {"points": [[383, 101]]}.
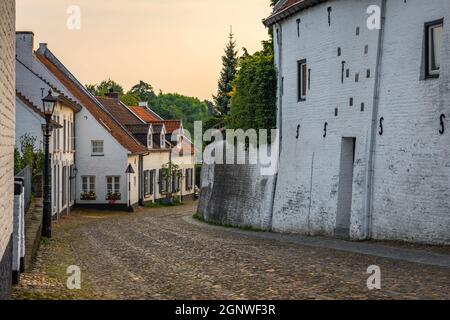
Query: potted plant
{"points": [[113, 197], [88, 196]]}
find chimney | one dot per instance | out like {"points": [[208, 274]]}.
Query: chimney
{"points": [[143, 104], [42, 48], [112, 94], [24, 47]]}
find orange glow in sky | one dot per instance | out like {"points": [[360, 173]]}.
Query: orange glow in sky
{"points": [[175, 45]]}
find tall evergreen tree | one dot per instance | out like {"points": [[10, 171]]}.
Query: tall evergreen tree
{"points": [[229, 69]]}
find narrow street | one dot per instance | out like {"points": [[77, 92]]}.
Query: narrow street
{"points": [[160, 254]]}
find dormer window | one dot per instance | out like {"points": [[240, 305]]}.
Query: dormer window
{"points": [[162, 142], [150, 141]]}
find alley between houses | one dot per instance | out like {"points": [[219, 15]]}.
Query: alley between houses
{"points": [[162, 253]]}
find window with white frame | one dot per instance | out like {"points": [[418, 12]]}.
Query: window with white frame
{"points": [[113, 184], [88, 184], [162, 141], [433, 35], [150, 141], [97, 147], [302, 79]]}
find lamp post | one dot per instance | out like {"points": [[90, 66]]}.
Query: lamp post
{"points": [[129, 172], [49, 103]]}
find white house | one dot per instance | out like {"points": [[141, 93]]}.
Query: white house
{"points": [[156, 136], [105, 149], [364, 118], [7, 123], [33, 82]]}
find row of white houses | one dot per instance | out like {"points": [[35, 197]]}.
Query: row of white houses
{"points": [[96, 139]]}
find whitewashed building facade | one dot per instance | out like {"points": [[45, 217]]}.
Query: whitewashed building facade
{"points": [[7, 124], [364, 118], [33, 82]]}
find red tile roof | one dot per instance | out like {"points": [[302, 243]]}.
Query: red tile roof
{"points": [[171, 125], [120, 111], [103, 118], [144, 114], [286, 8]]}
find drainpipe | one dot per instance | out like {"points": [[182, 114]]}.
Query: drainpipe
{"points": [[279, 40], [373, 128]]}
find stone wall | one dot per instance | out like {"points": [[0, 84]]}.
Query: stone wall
{"points": [[236, 195], [7, 137], [399, 188]]}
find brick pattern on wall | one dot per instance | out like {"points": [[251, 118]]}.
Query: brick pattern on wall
{"points": [[7, 120]]}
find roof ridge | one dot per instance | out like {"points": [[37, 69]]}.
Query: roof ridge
{"points": [[92, 105]]}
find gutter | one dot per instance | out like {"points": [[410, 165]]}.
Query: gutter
{"points": [[373, 129], [291, 10]]}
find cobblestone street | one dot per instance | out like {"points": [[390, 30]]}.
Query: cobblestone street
{"points": [[159, 254]]}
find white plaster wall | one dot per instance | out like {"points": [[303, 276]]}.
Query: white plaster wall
{"points": [[412, 163], [308, 179], [114, 162], [154, 161], [28, 122]]}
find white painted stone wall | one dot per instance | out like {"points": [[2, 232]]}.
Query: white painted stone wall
{"points": [[113, 163], [412, 163], [412, 170], [409, 197], [308, 180], [7, 122]]}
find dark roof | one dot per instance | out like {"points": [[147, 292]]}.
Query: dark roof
{"points": [[120, 111], [157, 128], [286, 8], [139, 128], [103, 118]]}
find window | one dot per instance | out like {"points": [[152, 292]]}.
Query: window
{"points": [[113, 184], [162, 182], [161, 142], [97, 147], [433, 48], [152, 181], [146, 182], [64, 135], [189, 179], [150, 141], [302, 80], [88, 184]]}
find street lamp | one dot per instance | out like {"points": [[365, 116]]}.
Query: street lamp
{"points": [[129, 172], [49, 103]]}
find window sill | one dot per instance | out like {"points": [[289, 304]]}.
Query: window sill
{"points": [[301, 100], [97, 155], [431, 76]]}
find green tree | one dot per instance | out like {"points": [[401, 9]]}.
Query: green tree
{"points": [[143, 91], [253, 103], [175, 106], [227, 75], [130, 99], [104, 87]]}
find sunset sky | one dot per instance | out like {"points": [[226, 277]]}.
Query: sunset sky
{"points": [[175, 45]]}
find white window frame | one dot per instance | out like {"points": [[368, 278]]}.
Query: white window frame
{"points": [[433, 57], [90, 181], [302, 70], [95, 150], [115, 184]]}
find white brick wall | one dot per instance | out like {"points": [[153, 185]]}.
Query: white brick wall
{"points": [[412, 164], [7, 116]]}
